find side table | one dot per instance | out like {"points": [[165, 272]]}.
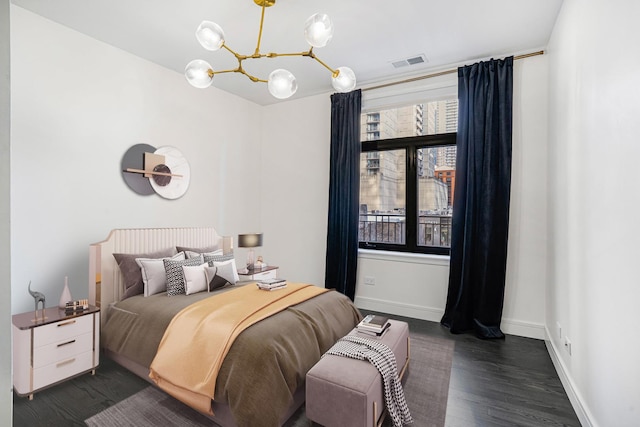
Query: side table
{"points": [[268, 272], [50, 346]]}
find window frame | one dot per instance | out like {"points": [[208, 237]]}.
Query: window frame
{"points": [[410, 145]]}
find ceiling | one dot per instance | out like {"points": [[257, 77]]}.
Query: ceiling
{"points": [[368, 35]]}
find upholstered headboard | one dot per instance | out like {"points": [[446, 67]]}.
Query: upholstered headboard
{"points": [[105, 280]]}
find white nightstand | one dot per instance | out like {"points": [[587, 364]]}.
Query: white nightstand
{"points": [[268, 272], [50, 346]]}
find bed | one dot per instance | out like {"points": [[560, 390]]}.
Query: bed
{"points": [[261, 379]]}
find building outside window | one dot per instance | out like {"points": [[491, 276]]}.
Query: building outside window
{"points": [[407, 177]]}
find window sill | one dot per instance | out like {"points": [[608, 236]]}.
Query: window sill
{"points": [[408, 257]]}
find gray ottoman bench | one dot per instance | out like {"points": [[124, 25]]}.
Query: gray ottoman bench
{"points": [[341, 391]]}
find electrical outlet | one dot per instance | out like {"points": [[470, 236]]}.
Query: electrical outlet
{"points": [[369, 280], [567, 345]]}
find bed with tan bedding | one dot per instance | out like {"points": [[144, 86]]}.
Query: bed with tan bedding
{"points": [[260, 380]]}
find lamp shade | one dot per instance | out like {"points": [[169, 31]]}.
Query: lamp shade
{"points": [[345, 81], [251, 240], [318, 30], [282, 84], [210, 35], [197, 73]]}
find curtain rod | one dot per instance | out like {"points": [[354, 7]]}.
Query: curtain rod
{"points": [[442, 73]]}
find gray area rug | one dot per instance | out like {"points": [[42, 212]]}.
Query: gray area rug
{"points": [[426, 390]]}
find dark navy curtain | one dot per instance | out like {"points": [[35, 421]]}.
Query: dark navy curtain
{"points": [[344, 193], [481, 203]]}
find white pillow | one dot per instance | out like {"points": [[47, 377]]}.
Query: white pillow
{"points": [[195, 279], [192, 254], [227, 270], [154, 275]]}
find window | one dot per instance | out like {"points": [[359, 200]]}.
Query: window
{"points": [[407, 177]]}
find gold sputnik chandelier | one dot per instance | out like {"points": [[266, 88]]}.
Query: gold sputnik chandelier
{"points": [[318, 30]]}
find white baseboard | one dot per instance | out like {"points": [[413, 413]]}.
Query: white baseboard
{"points": [[523, 329], [433, 314], [400, 309], [583, 414]]}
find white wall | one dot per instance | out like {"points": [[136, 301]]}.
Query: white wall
{"points": [[593, 205], [77, 106], [6, 397], [296, 177], [294, 188]]}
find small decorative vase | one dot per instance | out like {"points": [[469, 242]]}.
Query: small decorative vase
{"points": [[66, 295]]}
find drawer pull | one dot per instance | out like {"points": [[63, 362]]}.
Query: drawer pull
{"points": [[66, 343], [70, 322], [66, 362]]}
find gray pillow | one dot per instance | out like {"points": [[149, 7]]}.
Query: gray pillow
{"points": [[131, 274]]}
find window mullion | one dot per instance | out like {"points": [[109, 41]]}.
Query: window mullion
{"points": [[411, 198]]}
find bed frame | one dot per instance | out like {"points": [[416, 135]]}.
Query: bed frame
{"points": [[106, 286]]}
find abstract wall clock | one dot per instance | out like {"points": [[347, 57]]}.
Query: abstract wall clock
{"points": [[148, 170]]}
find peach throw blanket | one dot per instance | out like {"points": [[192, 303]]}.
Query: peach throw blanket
{"points": [[198, 338]]}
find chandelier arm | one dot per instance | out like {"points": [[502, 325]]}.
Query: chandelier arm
{"points": [[236, 54], [334, 73], [234, 70], [250, 76], [257, 52]]}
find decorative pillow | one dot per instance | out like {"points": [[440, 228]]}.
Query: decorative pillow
{"points": [[175, 276], [197, 250], [226, 270], [191, 254], [195, 279], [131, 274], [153, 273], [213, 279], [218, 257]]}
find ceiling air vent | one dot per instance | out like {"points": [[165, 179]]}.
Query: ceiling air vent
{"points": [[420, 59]]}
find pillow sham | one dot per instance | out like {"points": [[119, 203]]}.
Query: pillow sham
{"points": [[191, 254], [213, 280], [226, 270], [175, 276], [131, 274], [210, 257], [154, 275], [201, 278], [195, 279], [198, 250]]}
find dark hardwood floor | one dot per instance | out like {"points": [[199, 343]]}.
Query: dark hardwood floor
{"points": [[509, 382]]}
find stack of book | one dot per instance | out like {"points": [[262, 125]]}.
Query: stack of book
{"points": [[77, 306], [374, 325], [271, 284]]}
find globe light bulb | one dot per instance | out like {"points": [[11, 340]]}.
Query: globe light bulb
{"points": [[318, 30], [210, 35], [345, 81], [282, 84], [197, 73]]}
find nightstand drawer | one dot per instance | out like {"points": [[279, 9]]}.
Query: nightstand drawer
{"points": [[271, 274], [65, 349], [63, 369], [60, 331]]}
